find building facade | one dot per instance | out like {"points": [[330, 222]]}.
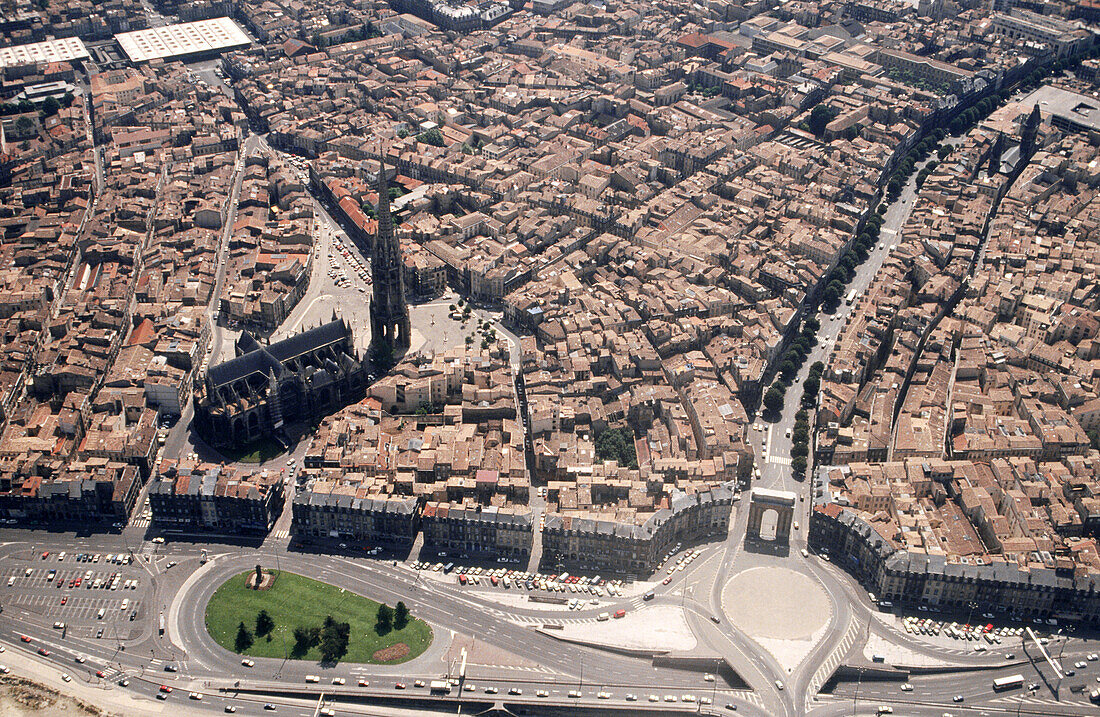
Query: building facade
{"points": [[599, 543], [300, 378], [392, 520], [1046, 590], [217, 498], [503, 532]]}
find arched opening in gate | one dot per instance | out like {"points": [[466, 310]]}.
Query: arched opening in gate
{"points": [[769, 524]]}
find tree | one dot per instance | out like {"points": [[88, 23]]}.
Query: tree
{"points": [[811, 326], [382, 356], [773, 399], [811, 385], [787, 370], [305, 638], [24, 126], [400, 616], [617, 444], [818, 368], [820, 116], [50, 107], [384, 620], [799, 449], [831, 296], [259, 577], [800, 435], [244, 638], [432, 136], [801, 416], [798, 465], [264, 623], [334, 639]]}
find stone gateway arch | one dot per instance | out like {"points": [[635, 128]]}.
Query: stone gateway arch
{"points": [[764, 501]]}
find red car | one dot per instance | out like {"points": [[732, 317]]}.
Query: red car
{"points": [[399, 686], [165, 689], [667, 580], [24, 638], [45, 555], [65, 599], [44, 652], [620, 613], [100, 673]]}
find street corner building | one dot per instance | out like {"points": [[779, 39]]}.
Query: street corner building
{"points": [[301, 378]]}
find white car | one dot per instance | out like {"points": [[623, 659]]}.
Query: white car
{"points": [[65, 676], [248, 663]]}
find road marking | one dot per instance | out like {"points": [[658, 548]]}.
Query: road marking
{"points": [[825, 670]]}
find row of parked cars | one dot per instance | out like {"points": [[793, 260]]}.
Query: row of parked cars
{"points": [[959, 631]]}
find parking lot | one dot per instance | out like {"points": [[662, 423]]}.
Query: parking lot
{"points": [[94, 595]]}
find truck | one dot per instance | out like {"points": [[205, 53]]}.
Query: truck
{"points": [[440, 687], [162, 624]]}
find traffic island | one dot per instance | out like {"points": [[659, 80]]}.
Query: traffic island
{"points": [[298, 618]]}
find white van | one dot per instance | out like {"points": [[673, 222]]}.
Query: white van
{"points": [[101, 613], [603, 616], [312, 678]]}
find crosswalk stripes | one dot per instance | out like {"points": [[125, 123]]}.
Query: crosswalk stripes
{"points": [[139, 523], [780, 461], [830, 664], [749, 696], [280, 534], [1047, 701]]}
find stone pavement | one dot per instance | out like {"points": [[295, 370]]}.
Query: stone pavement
{"points": [[894, 654], [660, 627], [784, 611]]}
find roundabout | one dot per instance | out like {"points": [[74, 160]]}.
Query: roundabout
{"points": [[798, 607]]}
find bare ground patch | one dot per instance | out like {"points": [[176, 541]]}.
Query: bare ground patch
{"points": [[394, 652], [24, 698]]}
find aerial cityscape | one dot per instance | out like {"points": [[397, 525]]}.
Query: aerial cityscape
{"points": [[562, 357]]}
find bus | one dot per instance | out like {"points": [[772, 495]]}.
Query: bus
{"points": [[1008, 683], [850, 298]]}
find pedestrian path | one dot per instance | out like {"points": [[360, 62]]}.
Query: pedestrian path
{"points": [[780, 461]]}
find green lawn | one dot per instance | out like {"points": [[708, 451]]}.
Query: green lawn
{"points": [[258, 451], [296, 601]]}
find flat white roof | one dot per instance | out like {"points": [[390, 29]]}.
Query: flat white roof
{"points": [[186, 38], [63, 50]]}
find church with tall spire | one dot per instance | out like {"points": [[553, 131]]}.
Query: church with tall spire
{"points": [[389, 314]]}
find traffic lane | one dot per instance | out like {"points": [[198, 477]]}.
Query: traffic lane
{"points": [[436, 608], [755, 667], [975, 688]]}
